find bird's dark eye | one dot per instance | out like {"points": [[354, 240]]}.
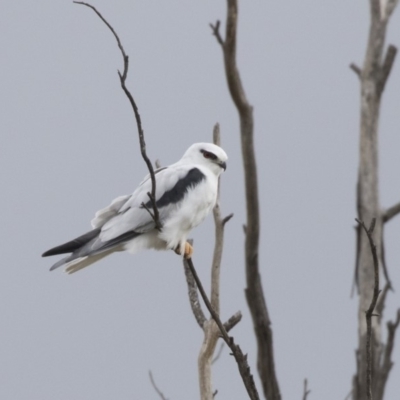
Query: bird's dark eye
{"points": [[207, 154]]}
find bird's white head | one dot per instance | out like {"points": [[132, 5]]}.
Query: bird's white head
{"points": [[208, 155]]}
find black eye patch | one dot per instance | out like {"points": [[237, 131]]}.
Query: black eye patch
{"points": [[209, 155]]}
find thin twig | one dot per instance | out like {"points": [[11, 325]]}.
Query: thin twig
{"points": [[122, 77], [369, 312], [306, 391], [153, 383], [356, 69], [218, 355], [216, 33]]}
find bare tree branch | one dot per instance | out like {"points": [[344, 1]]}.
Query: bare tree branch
{"points": [[391, 212], [153, 383], [369, 313], [254, 290], [122, 77], [240, 358], [306, 391], [193, 294]]}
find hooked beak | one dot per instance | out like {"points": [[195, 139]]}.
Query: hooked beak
{"points": [[222, 165]]}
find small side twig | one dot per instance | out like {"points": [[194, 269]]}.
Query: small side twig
{"points": [[356, 69], [387, 66], [122, 77], [306, 391], [391, 212], [216, 32], [369, 313], [233, 321], [153, 383]]}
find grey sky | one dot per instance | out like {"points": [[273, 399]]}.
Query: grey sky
{"points": [[69, 146]]}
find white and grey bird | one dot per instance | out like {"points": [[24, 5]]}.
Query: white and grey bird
{"points": [[185, 193]]}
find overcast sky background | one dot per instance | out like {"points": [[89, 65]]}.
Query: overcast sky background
{"points": [[69, 146]]}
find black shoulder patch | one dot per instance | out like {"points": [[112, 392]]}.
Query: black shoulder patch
{"points": [[176, 194]]}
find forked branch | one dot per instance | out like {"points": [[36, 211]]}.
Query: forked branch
{"points": [[241, 359]]}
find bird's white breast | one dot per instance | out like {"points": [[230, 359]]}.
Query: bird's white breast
{"points": [[192, 210]]}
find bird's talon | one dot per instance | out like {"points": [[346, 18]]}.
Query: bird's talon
{"points": [[188, 251]]}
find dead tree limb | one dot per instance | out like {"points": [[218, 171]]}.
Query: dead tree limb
{"points": [[241, 359], [254, 291], [158, 391], [373, 78], [122, 77], [370, 311]]}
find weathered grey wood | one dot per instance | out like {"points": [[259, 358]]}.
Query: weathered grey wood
{"points": [[254, 291], [373, 76]]}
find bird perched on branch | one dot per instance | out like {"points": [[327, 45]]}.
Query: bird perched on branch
{"points": [[185, 193]]}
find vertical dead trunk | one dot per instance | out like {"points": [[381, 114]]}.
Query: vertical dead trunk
{"points": [[254, 291], [373, 76]]}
